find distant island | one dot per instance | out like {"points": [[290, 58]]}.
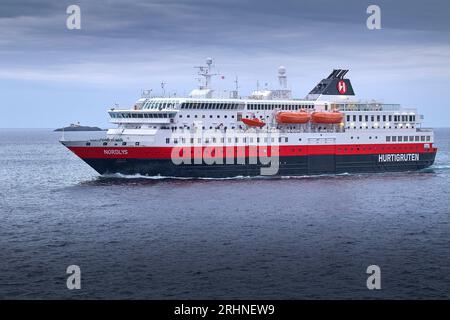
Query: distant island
{"points": [[78, 127]]}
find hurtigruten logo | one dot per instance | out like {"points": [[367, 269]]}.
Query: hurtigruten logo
{"points": [[398, 157]]}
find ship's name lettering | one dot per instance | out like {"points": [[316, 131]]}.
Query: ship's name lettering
{"points": [[115, 152], [398, 157]]}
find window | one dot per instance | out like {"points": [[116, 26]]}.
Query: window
{"points": [[422, 138], [400, 139], [394, 138], [416, 138], [411, 138], [428, 138], [167, 140], [136, 143], [405, 139], [388, 139]]}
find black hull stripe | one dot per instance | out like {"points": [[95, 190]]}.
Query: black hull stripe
{"points": [[288, 166]]}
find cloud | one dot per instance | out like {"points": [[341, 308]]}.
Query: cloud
{"points": [[130, 45]]}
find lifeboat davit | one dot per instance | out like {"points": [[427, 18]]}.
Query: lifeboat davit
{"points": [[293, 117], [327, 117], [253, 122]]}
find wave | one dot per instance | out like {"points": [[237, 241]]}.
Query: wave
{"points": [[140, 176], [119, 176], [440, 166]]}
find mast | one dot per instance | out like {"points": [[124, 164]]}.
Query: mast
{"points": [[205, 73]]}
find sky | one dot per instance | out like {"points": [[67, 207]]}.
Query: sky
{"points": [[51, 76]]}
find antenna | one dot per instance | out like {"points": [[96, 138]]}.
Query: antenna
{"points": [[163, 87]]}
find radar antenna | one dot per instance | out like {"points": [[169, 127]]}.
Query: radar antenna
{"points": [[205, 72], [282, 78]]}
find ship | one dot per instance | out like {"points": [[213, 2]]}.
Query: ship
{"points": [[267, 133]]}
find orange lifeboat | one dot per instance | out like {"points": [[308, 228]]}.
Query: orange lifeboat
{"points": [[253, 122], [327, 117], [293, 117]]}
